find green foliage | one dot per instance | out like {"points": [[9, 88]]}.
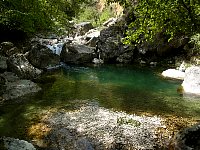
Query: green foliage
{"points": [[106, 14], [91, 14], [195, 39], [126, 121], [171, 17], [35, 15]]}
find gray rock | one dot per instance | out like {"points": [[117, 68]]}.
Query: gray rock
{"points": [[16, 144], [188, 139], [82, 28], [5, 46], [42, 57], [191, 83], [3, 64], [19, 88], [77, 54], [109, 43], [19, 65]]}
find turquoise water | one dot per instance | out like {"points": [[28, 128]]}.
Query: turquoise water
{"points": [[124, 88]]}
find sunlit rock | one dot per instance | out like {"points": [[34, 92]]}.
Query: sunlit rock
{"points": [[191, 83], [174, 74]]}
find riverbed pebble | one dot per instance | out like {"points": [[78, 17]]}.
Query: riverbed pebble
{"points": [[95, 127]]}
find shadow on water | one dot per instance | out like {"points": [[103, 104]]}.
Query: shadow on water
{"points": [[129, 89]]}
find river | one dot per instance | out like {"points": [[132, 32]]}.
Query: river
{"points": [[132, 89]]}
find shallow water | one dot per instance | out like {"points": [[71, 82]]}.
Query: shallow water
{"points": [[123, 88]]}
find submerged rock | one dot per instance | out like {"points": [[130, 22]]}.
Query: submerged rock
{"points": [[42, 57], [174, 74], [19, 64], [19, 88], [16, 144], [77, 54], [191, 83]]}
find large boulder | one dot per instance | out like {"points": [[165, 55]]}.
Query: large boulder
{"points": [[174, 74], [20, 65], [110, 45], [191, 83], [42, 57], [77, 54], [19, 88]]}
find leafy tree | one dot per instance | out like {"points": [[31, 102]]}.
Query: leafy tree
{"points": [[30, 16], [171, 17]]}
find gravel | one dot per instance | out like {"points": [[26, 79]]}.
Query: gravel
{"points": [[91, 127]]}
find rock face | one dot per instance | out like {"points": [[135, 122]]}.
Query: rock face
{"points": [[19, 88], [42, 57], [16, 144], [77, 54], [19, 65], [174, 74], [191, 83]]}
